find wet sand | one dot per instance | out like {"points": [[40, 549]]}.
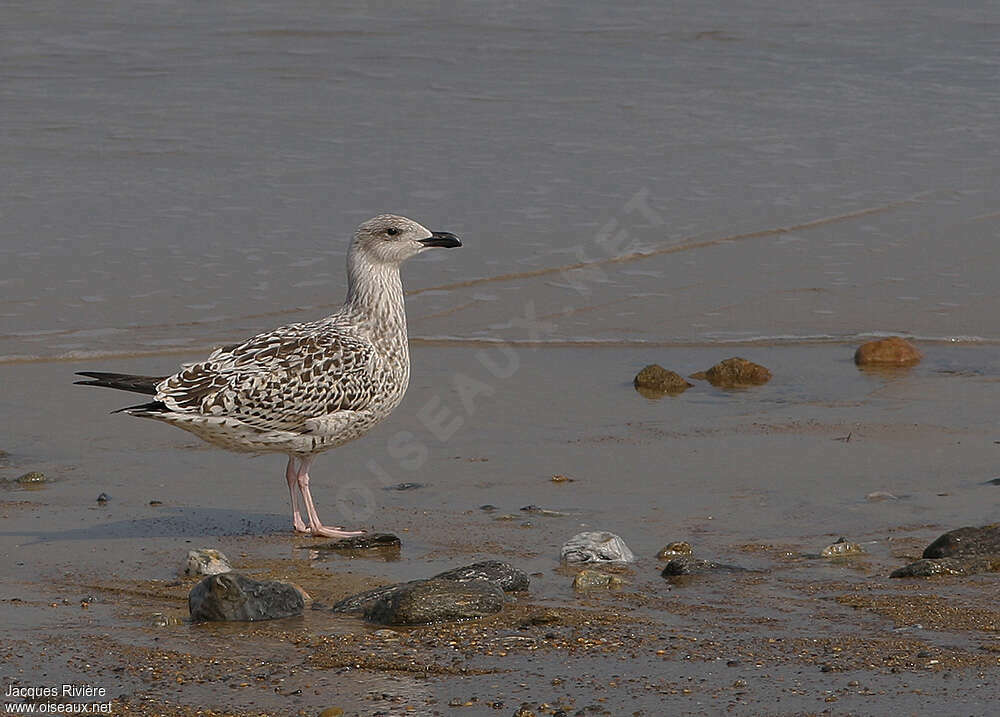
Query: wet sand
{"points": [[763, 478]]}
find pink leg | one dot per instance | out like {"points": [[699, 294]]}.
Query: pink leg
{"points": [[315, 526], [293, 490]]}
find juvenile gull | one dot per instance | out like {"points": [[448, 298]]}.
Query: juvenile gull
{"points": [[304, 388]]}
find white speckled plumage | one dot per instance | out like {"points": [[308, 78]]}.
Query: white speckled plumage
{"points": [[308, 387]]}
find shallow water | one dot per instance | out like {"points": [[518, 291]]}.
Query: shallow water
{"points": [[633, 184], [173, 181]]}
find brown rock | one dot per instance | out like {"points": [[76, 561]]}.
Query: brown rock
{"points": [[734, 373], [893, 351], [654, 381]]}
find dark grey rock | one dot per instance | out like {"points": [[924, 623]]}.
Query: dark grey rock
{"points": [[103, 498], [686, 565], [367, 541], [504, 575], [947, 566], [231, 596], [404, 486], [428, 601], [361, 602], [966, 541]]}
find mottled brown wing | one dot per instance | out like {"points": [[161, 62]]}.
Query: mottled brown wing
{"points": [[277, 380]]}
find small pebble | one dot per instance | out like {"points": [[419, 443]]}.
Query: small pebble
{"points": [[103, 498], [31, 477]]}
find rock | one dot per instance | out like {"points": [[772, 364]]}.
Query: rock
{"points": [[504, 575], [893, 351], [672, 550], [686, 565], [525, 710], [544, 512], [367, 541], [596, 547], [103, 498], [560, 478], [428, 601], [231, 596], [498, 573], [879, 495], [31, 478], [654, 381], [591, 579], [842, 549], [205, 562], [331, 712], [404, 486], [734, 373], [966, 541], [488, 508], [948, 566]]}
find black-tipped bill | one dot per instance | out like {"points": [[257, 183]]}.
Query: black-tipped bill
{"points": [[442, 239]]}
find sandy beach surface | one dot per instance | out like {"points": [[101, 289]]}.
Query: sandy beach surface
{"points": [[762, 478]]}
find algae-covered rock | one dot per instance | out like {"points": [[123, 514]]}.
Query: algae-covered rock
{"points": [[655, 381], [893, 351], [31, 478], [842, 549], [734, 372], [594, 579]]}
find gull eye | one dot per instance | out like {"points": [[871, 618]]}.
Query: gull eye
{"points": [[392, 231]]}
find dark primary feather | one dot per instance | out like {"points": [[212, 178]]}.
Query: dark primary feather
{"points": [[122, 381]]}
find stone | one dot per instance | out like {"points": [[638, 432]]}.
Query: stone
{"points": [[428, 601], [504, 575], [496, 572], [596, 547], [842, 549], [893, 351], [331, 712], [734, 372], [984, 540], [103, 498], [231, 596], [880, 495], [686, 565], [368, 541], [205, 561], [672, 550], [926, 567], [654, 381], [31, 478], [544, 512], [592, 579]]}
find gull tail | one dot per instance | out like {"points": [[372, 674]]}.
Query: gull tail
{"points": [[122, 381]]}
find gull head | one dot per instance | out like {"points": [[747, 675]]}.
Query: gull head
{"points": [[391, 239]]}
